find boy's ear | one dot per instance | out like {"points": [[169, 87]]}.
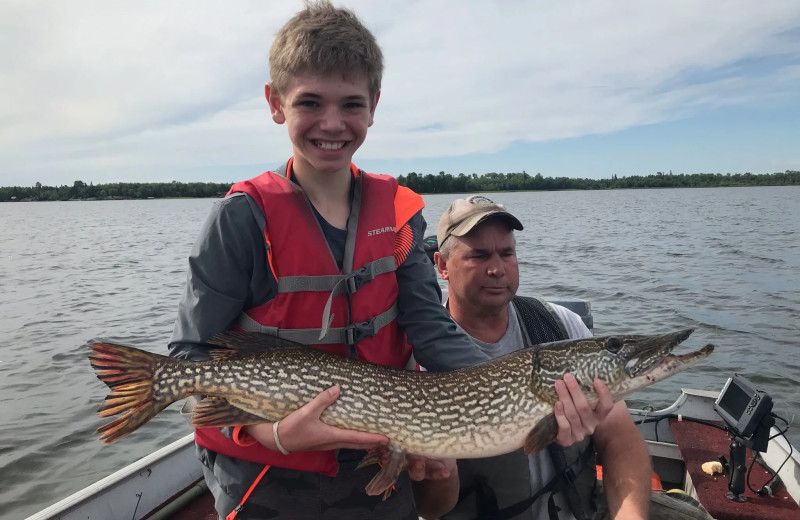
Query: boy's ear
{"points": [[372, 108], [274, 102]]}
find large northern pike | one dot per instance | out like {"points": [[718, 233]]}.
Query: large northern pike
{"points": [[489, 409]]}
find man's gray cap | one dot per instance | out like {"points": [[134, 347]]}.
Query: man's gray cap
{"points": [[464, 214]]}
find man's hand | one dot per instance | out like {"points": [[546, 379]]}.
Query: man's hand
{"points": [[302, 430], [424, 468], [435, 484], [575, 416]]}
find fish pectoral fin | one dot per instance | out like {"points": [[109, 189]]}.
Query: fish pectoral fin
{"points": [[391, 467], [541, 435], [374, 456], [217, 411]]}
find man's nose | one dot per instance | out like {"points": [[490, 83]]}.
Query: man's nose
{"points": [[496, 267]]}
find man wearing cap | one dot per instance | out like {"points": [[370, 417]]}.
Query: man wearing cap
{"points": [[477, 257]]}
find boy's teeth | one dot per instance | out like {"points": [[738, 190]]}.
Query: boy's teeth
{"points": [[330, 146]]}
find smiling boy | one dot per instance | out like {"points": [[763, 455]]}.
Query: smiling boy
{"points": [[322, 253]]}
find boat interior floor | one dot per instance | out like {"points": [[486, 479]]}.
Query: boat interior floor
{"points": [[699, 443]]}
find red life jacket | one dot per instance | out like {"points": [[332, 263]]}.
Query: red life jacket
{"points": [[313, 293]]}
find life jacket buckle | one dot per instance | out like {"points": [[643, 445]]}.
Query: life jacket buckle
{"points": [[356, 332], [570, 474], [350, 335], [352, 283]]}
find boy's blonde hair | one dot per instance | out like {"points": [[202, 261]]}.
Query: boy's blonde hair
{"points": [[324, 39]]}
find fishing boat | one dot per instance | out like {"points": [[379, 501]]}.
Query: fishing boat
{"points": [[700, 427]]}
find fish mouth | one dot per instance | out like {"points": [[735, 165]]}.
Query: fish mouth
{"points": [[691, 356], [674, 363], [650, 352]]}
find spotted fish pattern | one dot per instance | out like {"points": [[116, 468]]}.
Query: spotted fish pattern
{"points": [[486, 410]]}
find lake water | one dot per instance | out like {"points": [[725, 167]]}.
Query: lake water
{"points": [[725, 261]]}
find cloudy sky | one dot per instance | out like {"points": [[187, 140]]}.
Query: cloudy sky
{"points": [[108, 91]]}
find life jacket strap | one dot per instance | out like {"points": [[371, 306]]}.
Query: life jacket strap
{"points": [[351, 283], [349, 334], [233, 514], [487, 502]]}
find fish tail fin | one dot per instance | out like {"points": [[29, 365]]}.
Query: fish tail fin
{"points": [[129, 372]]}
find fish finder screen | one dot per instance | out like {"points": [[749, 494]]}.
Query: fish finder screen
{"points": [[735, 400]]}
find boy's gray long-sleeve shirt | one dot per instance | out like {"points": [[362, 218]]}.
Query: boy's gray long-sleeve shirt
{"points": [[229, 273]]}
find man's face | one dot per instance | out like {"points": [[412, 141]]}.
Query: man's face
{"points": [[327, 117], [482, 271]]}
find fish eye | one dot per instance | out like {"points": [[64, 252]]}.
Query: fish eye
{"points": [[614, 344]]}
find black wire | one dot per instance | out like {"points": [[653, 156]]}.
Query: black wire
{"points": [[750, 470], [773, 476], [683, 418], [675, 416], [780, 432], [781, 418], [791, 449]]}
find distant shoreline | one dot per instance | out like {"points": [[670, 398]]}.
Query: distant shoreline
{"points": [[428, 184]]}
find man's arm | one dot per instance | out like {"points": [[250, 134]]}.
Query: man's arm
{"points": [[626, 464], [435, 484]]}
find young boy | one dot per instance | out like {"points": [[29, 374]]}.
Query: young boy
{"points": [[316, 252]]}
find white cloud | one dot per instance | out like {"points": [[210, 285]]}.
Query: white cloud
{"points": [[538, 73], [121, 90]]}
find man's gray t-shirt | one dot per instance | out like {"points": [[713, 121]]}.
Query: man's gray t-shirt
{"points": [[540, 465]]}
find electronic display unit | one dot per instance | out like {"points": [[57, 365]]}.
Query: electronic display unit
{"points": [[742, 406], [747, 413]]}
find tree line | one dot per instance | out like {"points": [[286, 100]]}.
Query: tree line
{"points": [[447, 183], [115, 191], [429, 183]]}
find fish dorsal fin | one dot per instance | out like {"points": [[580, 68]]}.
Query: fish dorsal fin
{"points": [[541, 435], [221, 353], [249, 342]]}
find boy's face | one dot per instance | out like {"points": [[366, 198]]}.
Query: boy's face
{"points": [[327, 119]]}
